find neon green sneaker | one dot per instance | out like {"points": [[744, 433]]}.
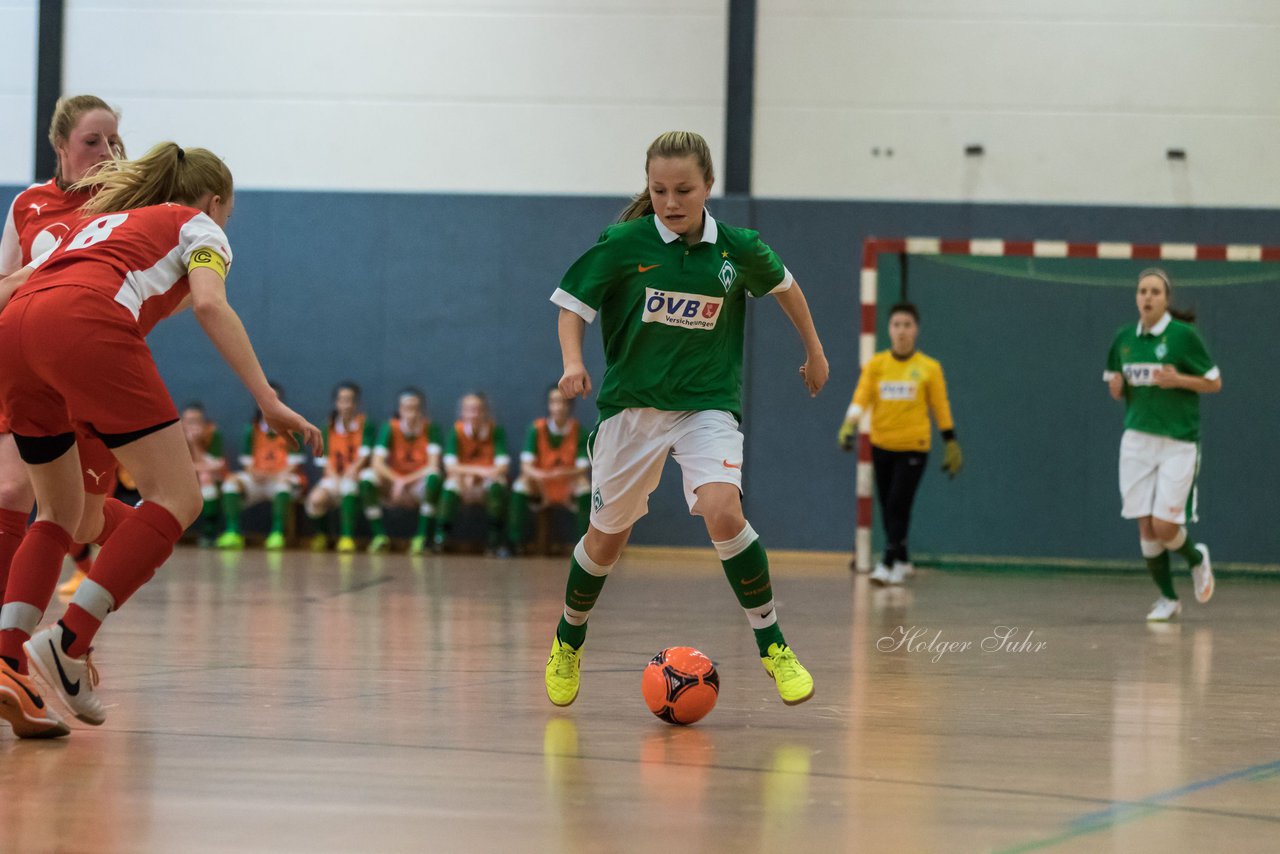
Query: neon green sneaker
{"points": [[275, 542], [563, 673], [346, 545], [795, 685], [379, 544], [417, 545], [230, 540], [319, 543]]}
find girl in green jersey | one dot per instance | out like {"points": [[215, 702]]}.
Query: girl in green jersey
{"points": [[670, 286], [1159, 368]]}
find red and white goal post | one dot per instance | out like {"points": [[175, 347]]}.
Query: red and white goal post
{"points": [[874, 247]]}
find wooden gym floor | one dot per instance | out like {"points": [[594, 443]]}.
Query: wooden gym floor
{"points": [[311, 703]]}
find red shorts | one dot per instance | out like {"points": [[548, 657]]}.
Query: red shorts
{"points": [[73, 351]]}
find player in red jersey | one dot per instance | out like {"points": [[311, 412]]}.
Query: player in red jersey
{"points": [[84, 134], [72, 341]]}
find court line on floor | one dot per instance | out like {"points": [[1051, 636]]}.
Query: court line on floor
{"points": [[1123, 812]]}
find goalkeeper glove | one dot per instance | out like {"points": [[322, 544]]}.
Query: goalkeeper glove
{"points": [[847, 435], [952, 459]]}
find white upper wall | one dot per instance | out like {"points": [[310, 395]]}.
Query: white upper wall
{"points": [[17, 90], [506, 96], [1072, 101]]}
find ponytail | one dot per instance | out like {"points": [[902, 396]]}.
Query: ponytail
{"points": [[166, 173]]}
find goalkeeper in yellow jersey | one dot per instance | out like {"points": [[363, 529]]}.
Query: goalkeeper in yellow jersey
{"points": [[901, 387]]}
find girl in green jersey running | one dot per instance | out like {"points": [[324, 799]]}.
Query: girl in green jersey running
{"points": [[1159, 368], [670, 285]]}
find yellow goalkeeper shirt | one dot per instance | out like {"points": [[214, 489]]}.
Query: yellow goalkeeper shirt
{"points": [[900, 394]]}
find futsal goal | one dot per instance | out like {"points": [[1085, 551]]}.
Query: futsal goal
{"points": [[1022, 329]]}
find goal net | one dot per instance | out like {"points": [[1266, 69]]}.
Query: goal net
{"points": [[1022, 329]]}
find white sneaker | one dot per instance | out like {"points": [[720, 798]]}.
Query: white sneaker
{"points": [[1164, 610], [882, 575], [72, 679], [1202, 575], [902, 570]]}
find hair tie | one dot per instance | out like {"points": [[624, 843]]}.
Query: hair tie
{"points": [[182, 155]]}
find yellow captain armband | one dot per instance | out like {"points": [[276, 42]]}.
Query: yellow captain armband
{"points": [[208, 258]]}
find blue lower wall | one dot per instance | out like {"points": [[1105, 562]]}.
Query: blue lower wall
{"points": [[450, 293]]}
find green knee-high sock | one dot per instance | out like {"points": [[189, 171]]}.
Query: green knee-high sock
{"points": [[280, 511], [495, 504], [518, 519], [232, 506], [430, 503], [426, 520], [747, 568], [1160, 573], [348, 510], [1189, 551], [317, 523], [586, 579], [372, 507], [210, 517], [448, 507], [584, 513]]}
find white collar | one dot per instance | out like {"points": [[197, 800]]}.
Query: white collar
{"points": [[1161, 325], [710, 232]]}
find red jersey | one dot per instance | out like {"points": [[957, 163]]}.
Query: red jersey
{"points": [[40, 216], [138, 258]]}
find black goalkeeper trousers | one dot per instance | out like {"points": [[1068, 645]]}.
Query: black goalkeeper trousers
{"points": [[898, 476]]}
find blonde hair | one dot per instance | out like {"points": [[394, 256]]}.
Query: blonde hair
{"points": [[166, 173], [67, 114], [674, 143]]}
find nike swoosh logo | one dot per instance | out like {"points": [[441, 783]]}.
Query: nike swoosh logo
{"points": [[766, 614], [72, 688], [643, 269], [751, 581], [35, 698], [730, 465]]}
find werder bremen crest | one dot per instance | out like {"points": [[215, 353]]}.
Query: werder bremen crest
{"points": [[1162, 350], [727, 275]]}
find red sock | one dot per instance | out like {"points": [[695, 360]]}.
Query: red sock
{"points": [[81, 556], [84, 626], [128, 560], [32, 580], [13, 525], [114, 512]]}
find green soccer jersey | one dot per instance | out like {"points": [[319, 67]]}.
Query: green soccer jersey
{"points": [[1136, 354], [672, 314]]}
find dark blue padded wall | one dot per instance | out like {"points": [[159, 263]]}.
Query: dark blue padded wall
{"points": [[450, 293]]}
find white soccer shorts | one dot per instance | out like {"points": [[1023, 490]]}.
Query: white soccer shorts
{"points": [[628, 451], [1157, 475], [257, 490]]}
